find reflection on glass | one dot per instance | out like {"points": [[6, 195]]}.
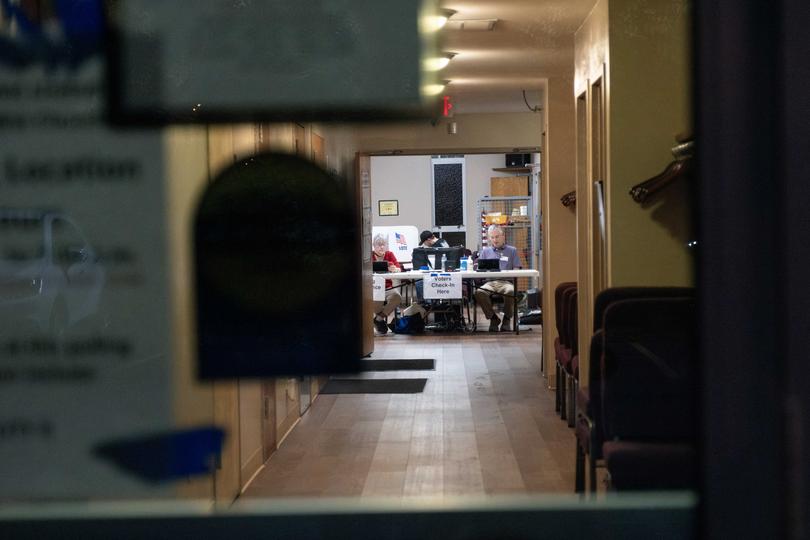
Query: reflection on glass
{"points": [[500, 414], [49, 273]]}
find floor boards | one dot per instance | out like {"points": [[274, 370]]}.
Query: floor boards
{"points": [[485, 424]]}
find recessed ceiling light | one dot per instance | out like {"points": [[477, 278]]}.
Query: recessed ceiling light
{"points": [[436, 63], [429, 90], [435, 21]]}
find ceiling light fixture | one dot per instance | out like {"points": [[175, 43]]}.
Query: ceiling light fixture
{"points": [[479, 25], [435, 21], [437, 63], [430, 90]]}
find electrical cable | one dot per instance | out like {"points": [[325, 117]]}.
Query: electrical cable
{"points": [[526, 101]]}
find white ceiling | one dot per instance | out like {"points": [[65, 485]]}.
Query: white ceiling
{"points": [[532, 40]]}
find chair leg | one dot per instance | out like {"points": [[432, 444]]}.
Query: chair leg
{"points": [[561, 390], [592, 453], [572, 400], [557, 389], [542, 355], [579, 470]]}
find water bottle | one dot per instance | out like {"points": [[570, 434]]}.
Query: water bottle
{"points": [[464, 264], [444, 262]]}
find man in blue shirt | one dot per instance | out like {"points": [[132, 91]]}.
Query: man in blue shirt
{"points": [[509, 260]]}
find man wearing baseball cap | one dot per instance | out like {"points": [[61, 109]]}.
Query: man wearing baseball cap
{"points": [[428, 239]]}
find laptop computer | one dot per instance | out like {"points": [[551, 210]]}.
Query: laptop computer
{"points": [[489, 265], [380, 267]]}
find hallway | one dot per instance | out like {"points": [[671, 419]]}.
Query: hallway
{"points": [[485, 424]]}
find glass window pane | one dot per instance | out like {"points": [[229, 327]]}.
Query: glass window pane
{"points": [[448, 194]]}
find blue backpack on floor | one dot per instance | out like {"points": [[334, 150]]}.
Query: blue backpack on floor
{"points": [[409, 324]]}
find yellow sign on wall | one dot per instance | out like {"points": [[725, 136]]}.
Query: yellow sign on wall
{"points": [[388, 208]]}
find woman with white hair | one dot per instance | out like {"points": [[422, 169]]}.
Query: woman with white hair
{"points": [[382, 309]]}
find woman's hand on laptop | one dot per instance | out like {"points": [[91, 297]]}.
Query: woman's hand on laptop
{"points": [[393, 268]]}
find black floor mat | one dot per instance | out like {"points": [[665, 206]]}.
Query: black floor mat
{"points": [[394, 364], [374, 386]]}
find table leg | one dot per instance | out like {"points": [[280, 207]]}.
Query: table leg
{"points": [[515, 320], [473, 289]]}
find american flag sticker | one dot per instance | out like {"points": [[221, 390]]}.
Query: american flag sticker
{"points": [[402, 243]]}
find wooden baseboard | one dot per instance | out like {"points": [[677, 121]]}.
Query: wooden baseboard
{"points": [[287, 431], [252, 477], [253, 464]]}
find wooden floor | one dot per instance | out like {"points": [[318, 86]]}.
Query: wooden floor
{"points": [[485, 424]]}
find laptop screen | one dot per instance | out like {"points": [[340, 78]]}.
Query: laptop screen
{"points": [[380, 266], [489, 265], [431, 257]]}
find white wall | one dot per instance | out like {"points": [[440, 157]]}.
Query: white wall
{"points": [[407, 179]]}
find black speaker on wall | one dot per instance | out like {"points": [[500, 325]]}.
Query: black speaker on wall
{"points": [[518, 160]]}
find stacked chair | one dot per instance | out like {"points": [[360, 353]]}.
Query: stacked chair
{"points": [[570, 371], [563, 352], [635, 415]]}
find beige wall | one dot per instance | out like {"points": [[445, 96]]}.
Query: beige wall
{"points": [[591, 47], [226, 393], [250, 430], [194, 155], [559, 223], [649, 105], [250, 398], [592, 57], [643, 53], [186, 176], [406, 179], [279, 137], [505, 130], [340, 147]]}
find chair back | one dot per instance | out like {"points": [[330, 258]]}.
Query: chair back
{"points": [[572, 327], [648, 370], [565, 312], [558, 304], [613, 294]]}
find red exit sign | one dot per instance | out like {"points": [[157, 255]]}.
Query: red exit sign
{"points": [[447, 106]]}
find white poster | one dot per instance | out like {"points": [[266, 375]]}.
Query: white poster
{"points": [[401, 240], [379, 289], [84, 325], [439, 286]]}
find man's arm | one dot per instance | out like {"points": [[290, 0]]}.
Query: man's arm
{"points": [[516, 264]]}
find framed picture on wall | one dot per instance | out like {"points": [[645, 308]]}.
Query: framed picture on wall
{"points": [[388, 208]]}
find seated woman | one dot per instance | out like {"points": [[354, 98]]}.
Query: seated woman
{"points": [[382, 309]]}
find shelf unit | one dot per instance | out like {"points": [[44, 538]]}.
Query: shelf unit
{"points": [[518, 228]]}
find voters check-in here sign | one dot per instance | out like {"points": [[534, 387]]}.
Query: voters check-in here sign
{"points": [[442, 286]]}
